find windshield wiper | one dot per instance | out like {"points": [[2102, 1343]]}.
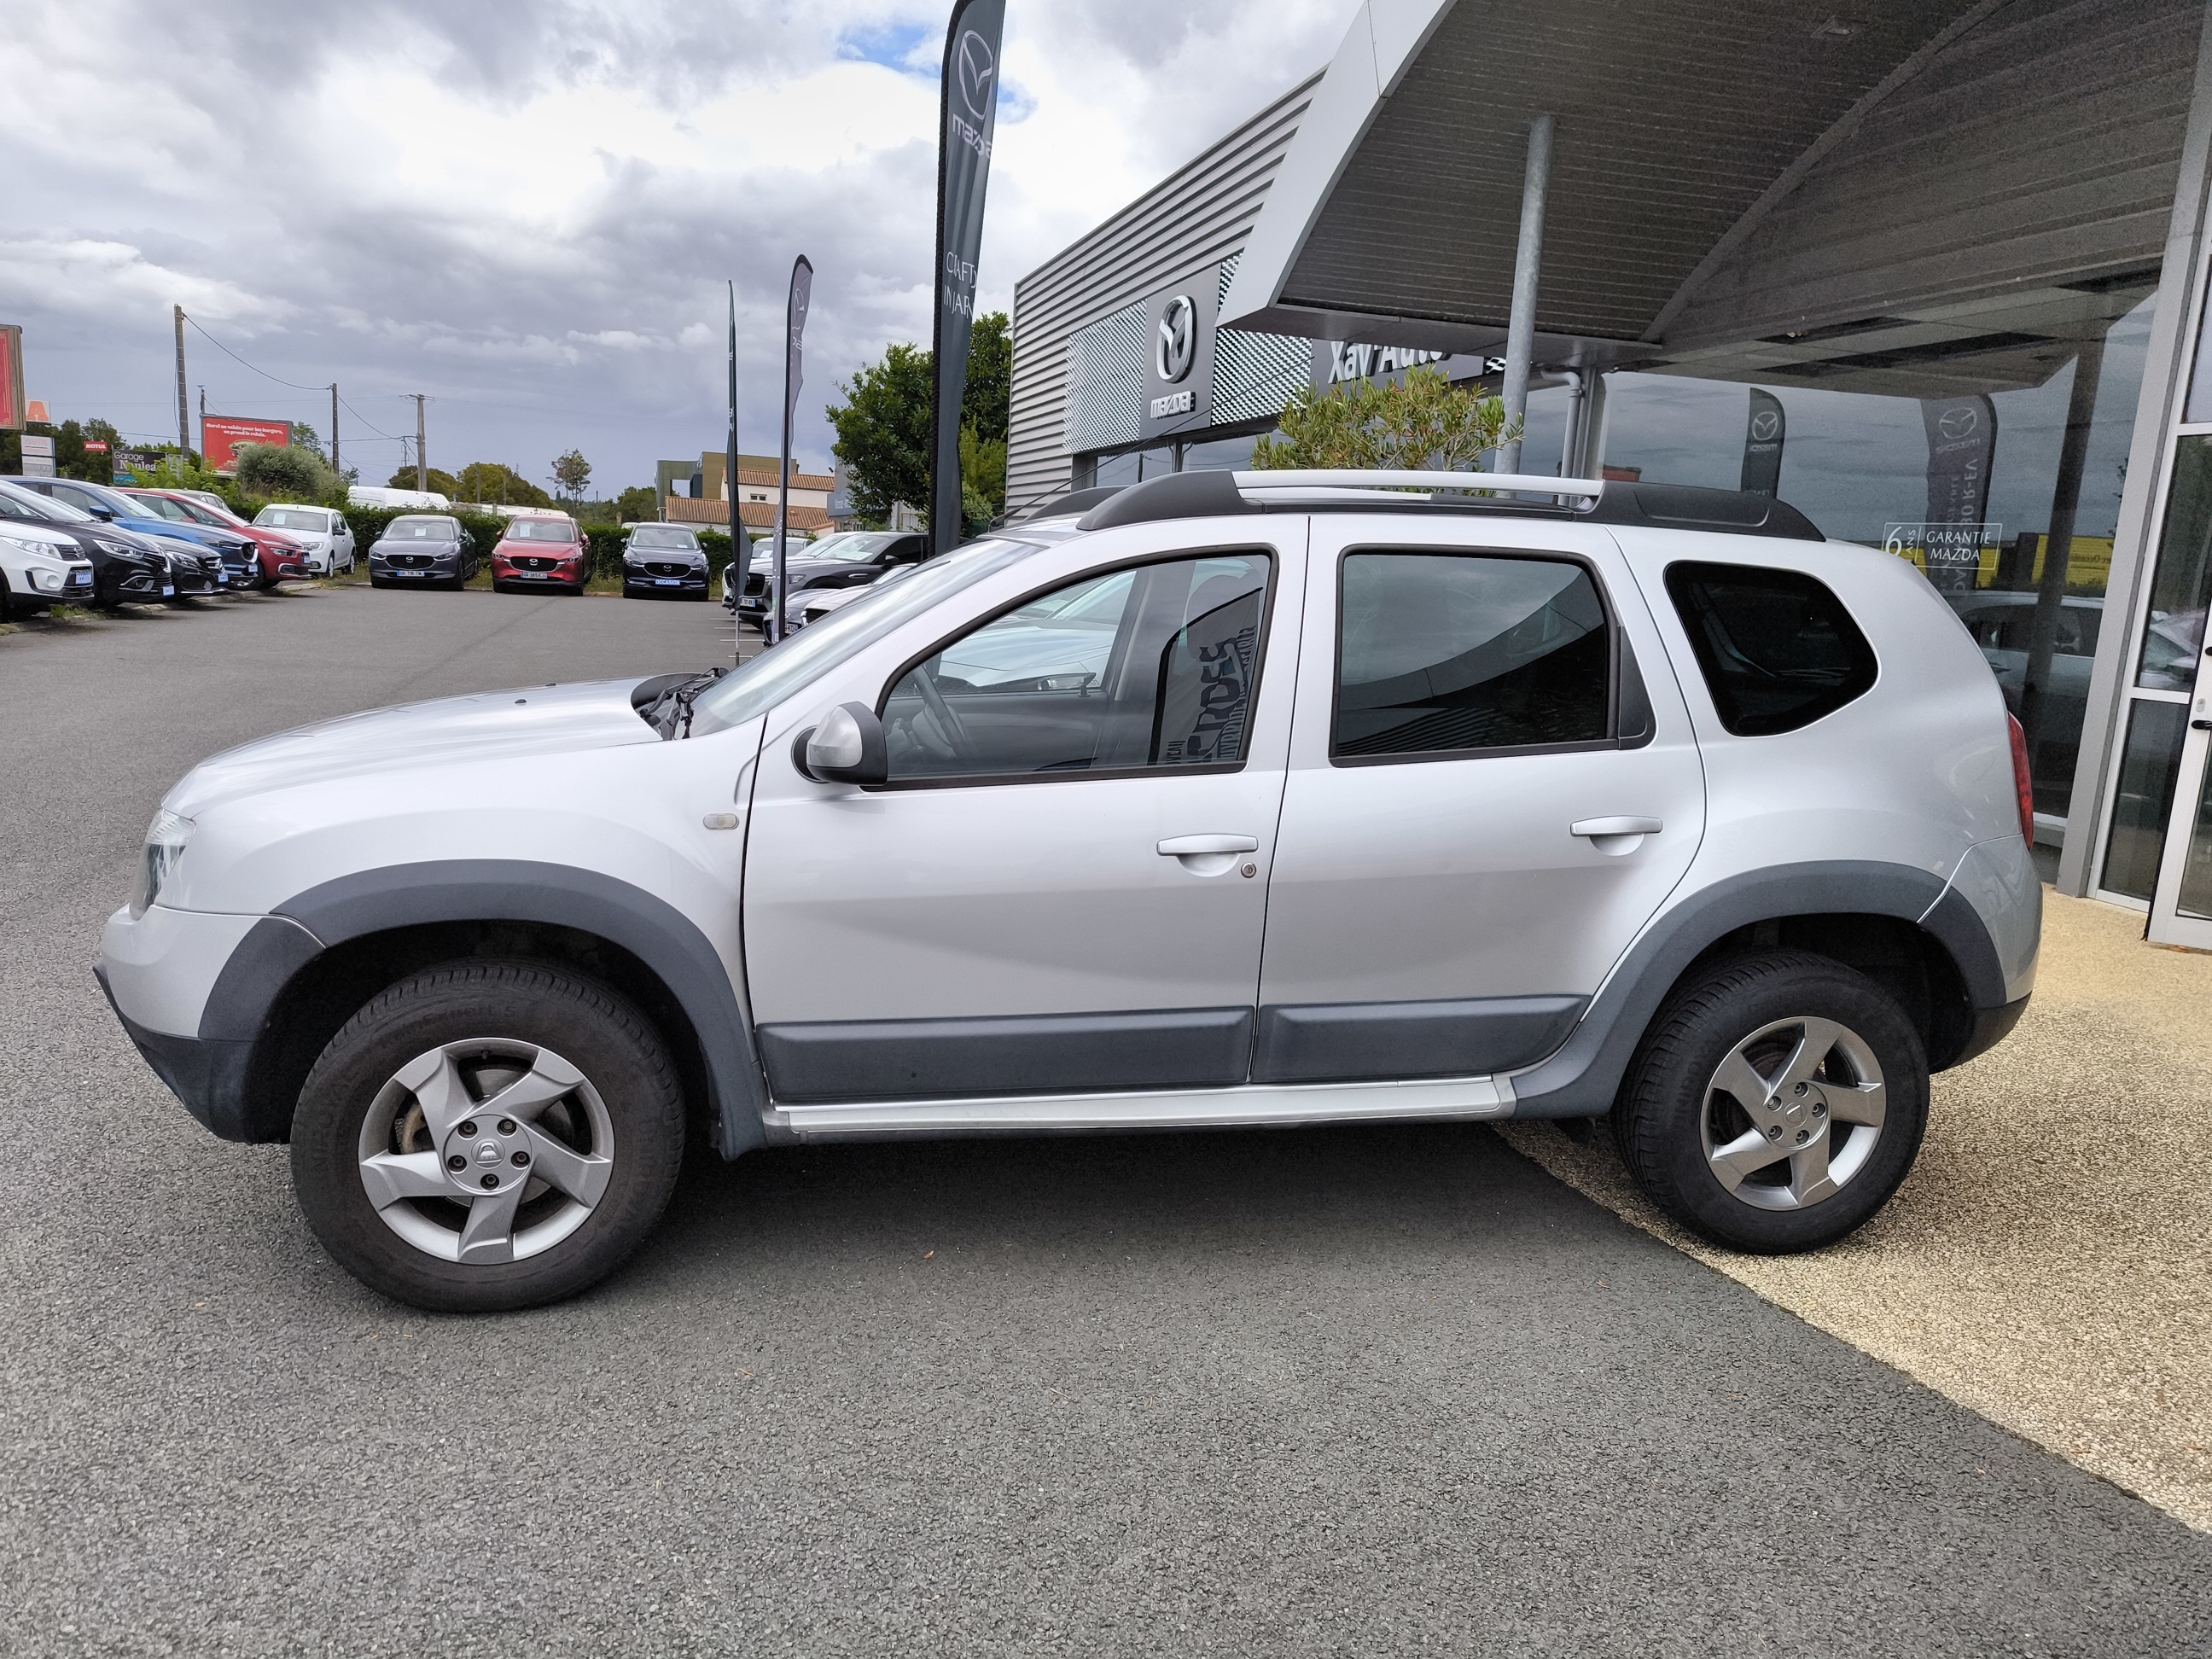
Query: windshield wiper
{"points": [[665, 703]]}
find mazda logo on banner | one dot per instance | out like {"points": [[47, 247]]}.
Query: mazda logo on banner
{"points": [[979, 68], [1765, 426], [1957, 423], [1176, 342]]}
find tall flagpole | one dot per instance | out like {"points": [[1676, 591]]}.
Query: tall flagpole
{"points": [[741, 552], [794, 330]]}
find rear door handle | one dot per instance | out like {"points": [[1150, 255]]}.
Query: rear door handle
{"points": [[1596, 828], [1183, 847]]}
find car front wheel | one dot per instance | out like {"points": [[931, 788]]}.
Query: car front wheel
{"points": [[1776, 1105], [488, 1135]]}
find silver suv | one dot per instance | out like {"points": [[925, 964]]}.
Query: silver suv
{"points": [[1263, 798]]}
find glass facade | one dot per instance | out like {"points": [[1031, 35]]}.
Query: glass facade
{"points": [[2144, 800]]}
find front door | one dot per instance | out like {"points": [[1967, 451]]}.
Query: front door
{"points": [[1062, 888], [1493, 785]]}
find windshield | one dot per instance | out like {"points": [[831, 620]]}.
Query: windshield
{"points": [[652, 535], [541, 529], [159, 507], [776, 674], [201, 513], [419, 530], [45, 506], [857, 547], [293, 518], [797, 547]]}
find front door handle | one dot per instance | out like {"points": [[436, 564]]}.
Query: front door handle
{"points": [[1596, 829], [1183, 847]]}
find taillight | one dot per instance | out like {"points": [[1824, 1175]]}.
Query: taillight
{"points": [[2022, 781]]}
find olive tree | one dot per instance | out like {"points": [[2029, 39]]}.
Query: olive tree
{"points": [[1421, 423]]}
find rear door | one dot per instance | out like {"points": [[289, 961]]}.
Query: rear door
{"points": [[1492, 785]]}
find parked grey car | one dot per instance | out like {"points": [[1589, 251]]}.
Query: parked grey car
{"points": [[421, 550], [663, 560], [1249, 800]]}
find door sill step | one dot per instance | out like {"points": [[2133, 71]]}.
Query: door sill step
{"points": [[1249, 1105]]}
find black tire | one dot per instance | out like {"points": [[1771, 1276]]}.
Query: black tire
{"points": [[1667, 1113], [597, 1032], [7, 602]]}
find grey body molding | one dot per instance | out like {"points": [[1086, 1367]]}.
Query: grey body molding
{"points": [[1021, 1054], [1347, 1042], [1581, 1079]]}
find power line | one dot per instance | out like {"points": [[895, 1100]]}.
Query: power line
{"points": [[235, 357]]}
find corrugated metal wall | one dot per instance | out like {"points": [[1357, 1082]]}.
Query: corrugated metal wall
{"points": [[1193, 219], [2042, 143]]}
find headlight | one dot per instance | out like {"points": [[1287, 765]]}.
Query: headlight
{"points": [[123, 548], [165, 844], [26, 544]]}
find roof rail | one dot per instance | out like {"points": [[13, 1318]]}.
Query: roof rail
{"points": [[1656, 506], [1516, 483]]}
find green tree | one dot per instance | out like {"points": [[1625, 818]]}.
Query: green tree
{"points": [[1424, 422], [884, 428], [987, 402], [982, 478], [573, 473], [492, 481], [305, 437], [442, 483], [284, 473], [638, 505]]}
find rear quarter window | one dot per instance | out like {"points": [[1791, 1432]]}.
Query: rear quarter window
{"points": [[1777, 649]]}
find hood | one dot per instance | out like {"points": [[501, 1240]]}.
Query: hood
{"points": [[486, 726], [48, 535]]}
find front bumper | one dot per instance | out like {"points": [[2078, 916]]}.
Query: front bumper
{"points": [[568, 575]]}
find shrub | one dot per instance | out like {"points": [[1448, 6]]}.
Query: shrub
{"points": [[1424, 422], [284, 473]]}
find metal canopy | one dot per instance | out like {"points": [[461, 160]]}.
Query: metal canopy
{"points": [[1916, 197]]}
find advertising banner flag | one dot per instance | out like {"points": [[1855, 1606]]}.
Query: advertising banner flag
{"points": [[11, 377], [794, 317], [741, 547], [970, 114], [1951, 542], [1763, 433], [221, 435]]}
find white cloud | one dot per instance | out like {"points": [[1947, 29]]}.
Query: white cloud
{"points": [[528, 211]]}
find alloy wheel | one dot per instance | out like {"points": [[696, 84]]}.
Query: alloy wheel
{"points": [[486, 1151], [1793, 1113]]}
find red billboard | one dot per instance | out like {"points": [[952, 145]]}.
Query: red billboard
{"points": [[220, 435], [11, 377]]}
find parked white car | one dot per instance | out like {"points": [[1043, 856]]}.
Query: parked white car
{"points": [[323, 531], [40, 566], [1247, 799]]}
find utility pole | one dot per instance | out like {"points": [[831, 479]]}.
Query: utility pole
{"points": [[422, 454], [184, 415], [334, 430]]}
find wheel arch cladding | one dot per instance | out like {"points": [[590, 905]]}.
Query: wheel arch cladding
{"points": [[439, 910], [1582, 1078]]}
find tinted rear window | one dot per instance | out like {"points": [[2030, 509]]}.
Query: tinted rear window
{"points": [[1777, 648]]}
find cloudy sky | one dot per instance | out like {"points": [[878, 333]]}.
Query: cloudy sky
{"points": [[527, 208]]}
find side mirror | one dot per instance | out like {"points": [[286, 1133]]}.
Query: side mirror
{"points": [[848, 747], [105, 515]]}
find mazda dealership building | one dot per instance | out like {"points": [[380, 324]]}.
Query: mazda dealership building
{"points": [[1934, 270]]}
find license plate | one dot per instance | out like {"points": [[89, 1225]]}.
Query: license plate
{"points": [[668, 581], [410, 573], [530, 575], [169, 590]]}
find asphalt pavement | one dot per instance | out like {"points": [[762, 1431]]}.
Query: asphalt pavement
{"points": [[1382, 1391]]}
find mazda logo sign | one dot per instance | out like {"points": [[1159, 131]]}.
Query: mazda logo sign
{"points": [[1177, 343], [1764, 425], [977, 70], [1955, 423]]}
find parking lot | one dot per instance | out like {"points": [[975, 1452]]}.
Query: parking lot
{"points": [[1358, 1392]]}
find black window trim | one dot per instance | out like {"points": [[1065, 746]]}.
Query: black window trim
{"points": [[1137, 561], [1617, 635]]}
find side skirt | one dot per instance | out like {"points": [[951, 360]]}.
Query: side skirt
{"points": [[1248, 1106]]}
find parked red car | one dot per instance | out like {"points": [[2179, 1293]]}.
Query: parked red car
{"points": [[280, 557], [538, 553]]}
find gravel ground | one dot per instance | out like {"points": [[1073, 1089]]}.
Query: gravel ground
{"points": [[1385, 1391], [2046, 1262]]}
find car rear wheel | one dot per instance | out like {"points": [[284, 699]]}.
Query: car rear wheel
{"points": [[488, 1135], [1775, 1105]]}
